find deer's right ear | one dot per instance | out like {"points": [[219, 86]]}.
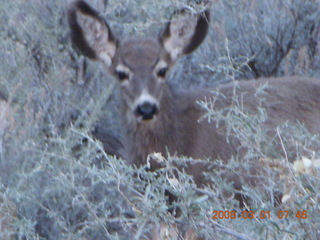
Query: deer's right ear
{"points": [[90, 34]]}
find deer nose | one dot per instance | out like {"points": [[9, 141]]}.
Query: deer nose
{"points": [[147, 110]]}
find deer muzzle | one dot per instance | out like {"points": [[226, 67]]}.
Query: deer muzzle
{"points": [[146, 111]]}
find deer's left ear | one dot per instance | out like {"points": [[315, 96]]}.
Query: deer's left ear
{"points": [[184, 34]]}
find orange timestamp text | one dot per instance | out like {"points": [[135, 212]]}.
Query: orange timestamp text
{"points": [[261, 214]]}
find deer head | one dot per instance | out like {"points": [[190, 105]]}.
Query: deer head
{"points": [[140, 64]]}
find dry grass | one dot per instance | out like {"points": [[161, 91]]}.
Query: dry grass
{"points": [[66, 187]]}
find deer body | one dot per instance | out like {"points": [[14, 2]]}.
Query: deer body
{"points": [[179, 131], [158, 118]]}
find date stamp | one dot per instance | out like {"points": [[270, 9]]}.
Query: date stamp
{"points": [[261, 214]]}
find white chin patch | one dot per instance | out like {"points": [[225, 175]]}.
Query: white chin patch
{"points": [[143, 120]]}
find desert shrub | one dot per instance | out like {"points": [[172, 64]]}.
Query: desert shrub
{"points": [[64, 185]]}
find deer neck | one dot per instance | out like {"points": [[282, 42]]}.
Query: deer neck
{"points": [[156, 135]]}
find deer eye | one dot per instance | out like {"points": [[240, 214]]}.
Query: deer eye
{"points": [[162, 72], [122, 75]]}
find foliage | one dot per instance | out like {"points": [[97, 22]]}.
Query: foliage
{"points": [[62, 183]]}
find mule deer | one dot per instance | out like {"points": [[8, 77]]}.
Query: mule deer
{"points": [[157, 117]]}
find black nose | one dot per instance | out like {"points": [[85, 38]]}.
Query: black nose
{"points": [[147, 110]]}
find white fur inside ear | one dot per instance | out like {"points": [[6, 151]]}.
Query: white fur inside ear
{"points": [[173, 50], [106, 56], [96, 34], [181, 33]]}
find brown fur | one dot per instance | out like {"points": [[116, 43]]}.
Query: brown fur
{"points": [[176, 127], [157, 118], [290, 99]]}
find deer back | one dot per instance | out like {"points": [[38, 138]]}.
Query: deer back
{"points": [[156, 117]]}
